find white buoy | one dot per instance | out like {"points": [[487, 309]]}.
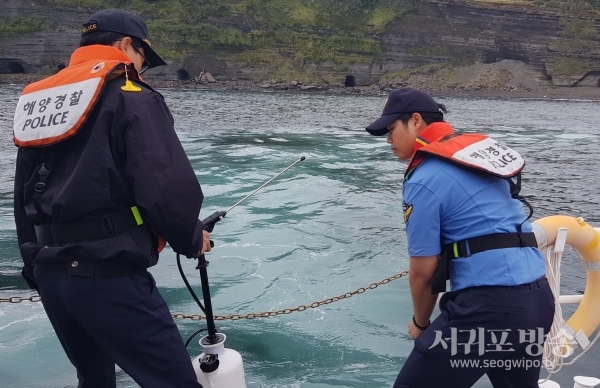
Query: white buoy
{"points": [[227, 373], [585, 382], [549, 384]]}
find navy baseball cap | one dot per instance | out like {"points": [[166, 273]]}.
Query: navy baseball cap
{"points": [[406, 100], [126, 23]]}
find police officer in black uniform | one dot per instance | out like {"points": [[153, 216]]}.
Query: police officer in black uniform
{"points": [[92, 208]]}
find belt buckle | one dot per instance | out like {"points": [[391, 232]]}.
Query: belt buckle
{"points": [[39, 187]]}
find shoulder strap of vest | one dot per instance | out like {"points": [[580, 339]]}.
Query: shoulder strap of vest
{"points": [[515, 190]]}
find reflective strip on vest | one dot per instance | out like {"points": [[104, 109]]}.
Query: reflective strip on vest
{"points": [[137, 215]]}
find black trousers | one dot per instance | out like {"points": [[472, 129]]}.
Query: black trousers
{"points": [[494, 330], [101, 321]]}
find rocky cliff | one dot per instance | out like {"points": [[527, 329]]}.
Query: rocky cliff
{"points": [[54, 33], [438, 44], [553, 47]]}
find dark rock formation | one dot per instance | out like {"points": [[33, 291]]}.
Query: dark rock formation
{"points": [[42, 51], [197, 64], [11, 66], [460, 33], [454, 34]]}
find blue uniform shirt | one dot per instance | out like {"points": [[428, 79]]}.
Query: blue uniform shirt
{"points": [[451, 202]]}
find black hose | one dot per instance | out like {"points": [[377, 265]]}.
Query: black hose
{"points": [[187, 284], [193, 335]]}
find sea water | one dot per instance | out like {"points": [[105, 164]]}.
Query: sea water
{"points": [[329, 225]]}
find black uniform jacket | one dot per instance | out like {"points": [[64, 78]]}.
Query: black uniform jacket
{"points": [[127, 153]]}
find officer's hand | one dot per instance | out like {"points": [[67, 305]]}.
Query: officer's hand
{"points": [[205, 242], [413, 331]]}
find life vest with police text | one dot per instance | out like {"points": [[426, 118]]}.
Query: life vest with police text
{"points": [[475, 152], [55, 108]]}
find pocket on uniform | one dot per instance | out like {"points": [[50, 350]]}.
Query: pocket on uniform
{"points": [[506, 309]]}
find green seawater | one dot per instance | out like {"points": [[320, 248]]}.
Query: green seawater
{"points": [[329, 225]]}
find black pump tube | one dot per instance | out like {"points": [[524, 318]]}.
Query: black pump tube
{"points": [[208, 310]]}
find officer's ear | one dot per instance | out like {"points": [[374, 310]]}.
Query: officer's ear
{"points": [[122, 44], [418, 121]]}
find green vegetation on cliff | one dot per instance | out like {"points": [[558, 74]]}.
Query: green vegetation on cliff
{"points": [[21, 26], [572, 66], [378, 39], [575, 47], [578, 28], [336, 30]]}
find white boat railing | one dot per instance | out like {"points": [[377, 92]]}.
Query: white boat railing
{"points": [[568, 299], [552, 363]]}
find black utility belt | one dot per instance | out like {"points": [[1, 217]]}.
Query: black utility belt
{"points": [[106, 226], [471, 246], [96, 268]]}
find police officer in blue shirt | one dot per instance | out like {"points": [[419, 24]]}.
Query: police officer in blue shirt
{"points": [[464, 221]]}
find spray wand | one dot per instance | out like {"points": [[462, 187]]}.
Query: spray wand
{"points": [[209, 224]]}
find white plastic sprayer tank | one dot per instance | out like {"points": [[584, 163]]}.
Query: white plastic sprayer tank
{"points": [[230, 371]]}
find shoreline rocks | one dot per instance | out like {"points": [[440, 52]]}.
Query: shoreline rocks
{"points": [[468, 90]]}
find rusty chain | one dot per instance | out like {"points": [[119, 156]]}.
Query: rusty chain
{"points": [[17, 299], [266, 314], [314, 305]]}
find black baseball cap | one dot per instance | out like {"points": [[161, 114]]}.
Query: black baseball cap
{"points": [[406, 100], [126, 23]]}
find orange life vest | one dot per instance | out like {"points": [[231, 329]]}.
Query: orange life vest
{"points": [[55, 108], [472, 151]]}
